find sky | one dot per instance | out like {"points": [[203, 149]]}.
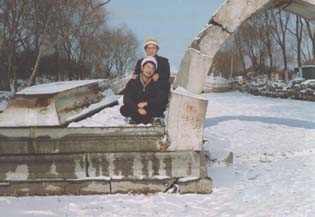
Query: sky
{"points": [[173, 22]]}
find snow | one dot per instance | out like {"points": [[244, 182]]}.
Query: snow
{"points": [[55, 87], [273, 173], [105, 118], [183, 91], [109, 98], [108, 117], [217, 80], [4, 99], [188, 179], [310, 82]]}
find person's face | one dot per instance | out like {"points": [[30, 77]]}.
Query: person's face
{"points": [[151, 50], [148, 70]]}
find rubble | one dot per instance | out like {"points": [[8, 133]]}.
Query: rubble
{"points": [[299, 89]]}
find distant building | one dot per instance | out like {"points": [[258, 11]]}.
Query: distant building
{"points": [[307, 72]]}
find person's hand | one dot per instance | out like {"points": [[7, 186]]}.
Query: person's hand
{"points": [[142, 111], [142, 104], [156, 77], [134, 76]]}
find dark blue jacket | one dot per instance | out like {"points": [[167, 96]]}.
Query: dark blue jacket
{"points": [[135, 93], [163, 68]]}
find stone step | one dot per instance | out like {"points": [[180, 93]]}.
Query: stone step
{"points": [[25, 141], [105, 186]]}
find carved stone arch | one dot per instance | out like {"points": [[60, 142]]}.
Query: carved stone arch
{"points": [[199, 56], [187, 109]]}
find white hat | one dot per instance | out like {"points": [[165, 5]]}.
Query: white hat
{"points": [[153, 41], [149, 59]]}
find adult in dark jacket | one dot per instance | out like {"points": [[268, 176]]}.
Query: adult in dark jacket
{"points": [[151, 48], [143, 97]]}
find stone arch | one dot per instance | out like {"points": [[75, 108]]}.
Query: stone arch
{"points": [[199, 56], [187, 110]]}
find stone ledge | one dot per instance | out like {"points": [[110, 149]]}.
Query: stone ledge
{"points": [[105, 186], [26, 141], [82, 166]]}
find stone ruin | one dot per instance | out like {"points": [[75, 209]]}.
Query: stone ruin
{"points": [[57, 161]]}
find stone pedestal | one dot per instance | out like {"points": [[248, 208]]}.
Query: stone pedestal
{"points": [[185, 121]]}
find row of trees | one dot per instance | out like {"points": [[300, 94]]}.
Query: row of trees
{"points": [[269, 42], [61, 40]]}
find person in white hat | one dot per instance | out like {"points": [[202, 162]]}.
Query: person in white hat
{"points": [[151, 47], [143, 98]]}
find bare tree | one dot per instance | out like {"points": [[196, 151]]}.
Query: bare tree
{"points": [[86, 20], [238, 46], [61, 40], [227, 61], [252, 46], [14, 14], [298, 34], [125, 47], [311, 33], [266, 37], [281, 22], [102, 54]]}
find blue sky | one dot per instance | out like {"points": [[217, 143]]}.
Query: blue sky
{"points": [[173, 22]]}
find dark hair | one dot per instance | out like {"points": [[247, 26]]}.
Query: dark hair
{"points": [[149, 62]]}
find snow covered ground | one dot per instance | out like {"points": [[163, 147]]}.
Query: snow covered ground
{"points": [[273, 174]]}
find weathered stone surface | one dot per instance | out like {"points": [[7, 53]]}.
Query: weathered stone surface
{"points": [[105, 186], [186, 121], [54, 187], [54, 104], [195, 186], [80, 140], [233, 12], [144, 186], [42, 167], [191, 74], [137, 165], [303, 8], [88, 187], [24, 188]]}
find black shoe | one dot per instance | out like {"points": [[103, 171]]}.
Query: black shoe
{"points": [[131, 121], [158, 122]]}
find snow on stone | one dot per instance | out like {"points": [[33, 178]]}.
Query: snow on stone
{"points": [[55, 87], [183, 91], [104, 102], [188, 179], [107, 117], [310, 82], [273, 171]]}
